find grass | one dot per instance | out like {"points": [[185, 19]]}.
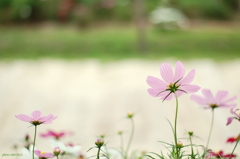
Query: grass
{"points": [[116, 43]]}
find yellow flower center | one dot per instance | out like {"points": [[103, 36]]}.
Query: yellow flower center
{"points": [[42, 153], [213, 106]]}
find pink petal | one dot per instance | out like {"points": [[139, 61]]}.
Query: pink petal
{"points": [[36, 115], [154, 92], [230, 99], [24, 117], [47, 155], [198, 99], [208, 95], [220, 96], [37, 152], [179, 71], [235, 112], [166, 72], [179, 93], [164, 94], [228, 105], [47, 119], [155, 82], [190, 88], [229, 120], [189, 78]]}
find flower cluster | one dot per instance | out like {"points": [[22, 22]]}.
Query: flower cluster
{"points": [[174, 83]]}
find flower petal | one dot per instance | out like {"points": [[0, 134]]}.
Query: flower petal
{"points": [[229, 120], [220, 96], [155, 92], [36, 115], [37, 152], [156, 83], [189, 78], [208, 95], [190, 88], [165, 94], [179, 71], [166, 72], [229, 99], [47, 119], [198, 99], [24, 117]]}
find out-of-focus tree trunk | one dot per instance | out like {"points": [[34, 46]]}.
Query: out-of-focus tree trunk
{"points": [[65, 8], [140, 21]]}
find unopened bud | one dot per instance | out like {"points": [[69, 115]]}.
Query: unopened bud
{"points": [[179, 144], [190, 133], [56, 151], [99, 143], [120, 132], [27, 138], [130, 114]]}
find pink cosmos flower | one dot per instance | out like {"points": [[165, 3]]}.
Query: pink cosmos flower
{"points": [[43, 154], [219, 154], [210, 101], [233, 139], [236, 116], [172, 82], [56, 135], [36, 118]]}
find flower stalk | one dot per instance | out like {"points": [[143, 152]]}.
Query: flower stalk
{"points": [[210, 132], [175, 126], [235, 147], [34, 140], [130, 116]]}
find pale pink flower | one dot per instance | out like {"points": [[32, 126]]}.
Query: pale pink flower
{"points": [[56, 135], [172, 82], [209, 101], [43, 154], [236, 116], [36, 118]]}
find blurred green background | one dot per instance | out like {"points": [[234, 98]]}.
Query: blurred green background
{"points": [[119, 29]]}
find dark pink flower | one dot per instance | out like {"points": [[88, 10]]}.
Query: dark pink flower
{"points": [[210, 101], [219, 154], [43, 155], [172, 82], [36, 118], [56, 135], [233, 139], [236, 116]]}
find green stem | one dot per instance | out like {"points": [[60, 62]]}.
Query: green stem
{"points": [[175, 126], [130, 139], [210, 132], [34, 141], [235, 147], [98, 153], [190, 138], [121, 140]]}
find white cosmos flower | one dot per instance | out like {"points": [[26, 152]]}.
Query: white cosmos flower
{"points": [[75, 150]]}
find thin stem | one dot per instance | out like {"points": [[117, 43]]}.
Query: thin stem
{"points": [[235, 147], [121, 142], [175, 126], [98, 153], [210, 132], [130, 139], [34, 141], [190, 138]]}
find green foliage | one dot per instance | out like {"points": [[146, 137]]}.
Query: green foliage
{"points": [[86, 11], [114, 43], [214, 9]]}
